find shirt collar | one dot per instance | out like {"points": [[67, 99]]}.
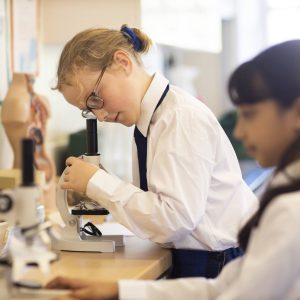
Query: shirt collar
{"points": [[150, 100], [286, 176]]}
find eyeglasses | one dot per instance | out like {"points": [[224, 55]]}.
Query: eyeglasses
{"points": [[93, 101]]}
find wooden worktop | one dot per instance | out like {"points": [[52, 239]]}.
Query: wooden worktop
{"points": [[138, 259]]}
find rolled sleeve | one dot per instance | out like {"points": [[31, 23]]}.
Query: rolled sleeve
{"points": [[102, 187]]}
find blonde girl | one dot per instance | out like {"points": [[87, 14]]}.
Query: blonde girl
{"points": [[187, 192]]}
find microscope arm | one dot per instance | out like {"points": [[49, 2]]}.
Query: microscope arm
{"points": [[70, 220]]}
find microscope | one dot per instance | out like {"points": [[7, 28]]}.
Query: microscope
{"points": [[78, 235], [28, 242]]}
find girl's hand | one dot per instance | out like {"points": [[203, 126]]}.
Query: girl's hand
{"points": [[85, 290], [67, 283], [100, 291], [77, 174]]}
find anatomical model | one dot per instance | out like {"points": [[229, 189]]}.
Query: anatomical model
{"points": [[25, 114]]}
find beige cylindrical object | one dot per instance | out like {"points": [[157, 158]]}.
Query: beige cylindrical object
{"points": [[15, 114], [16, 104]]}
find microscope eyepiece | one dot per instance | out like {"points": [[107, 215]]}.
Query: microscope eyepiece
{"points": [[91, 137], [27, 162]]}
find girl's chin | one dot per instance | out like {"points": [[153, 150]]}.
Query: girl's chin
{"points": [[265, 162], [126, 122]]}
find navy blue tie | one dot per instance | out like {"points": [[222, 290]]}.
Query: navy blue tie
{"points": [[141, 145]]}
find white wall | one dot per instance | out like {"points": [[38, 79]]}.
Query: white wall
{"points": [[250, 28], [62, 19], [203, 67], [243, 36], [208, 82]]}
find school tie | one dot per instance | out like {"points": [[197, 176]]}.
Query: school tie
{"points": [[141, 145]]}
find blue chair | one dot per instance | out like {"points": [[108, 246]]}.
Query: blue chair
{"points": [[257, 178]]}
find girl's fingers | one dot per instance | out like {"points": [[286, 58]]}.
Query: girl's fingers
{"points": [[66, 186], [70, 160]]}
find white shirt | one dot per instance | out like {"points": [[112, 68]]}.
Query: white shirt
{"points": [[197, 198], [269, 270]]}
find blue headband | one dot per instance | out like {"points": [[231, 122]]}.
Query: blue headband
{"points": [[130, 34]]}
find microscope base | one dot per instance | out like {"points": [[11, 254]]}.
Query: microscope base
{"points": [[85, 245]]}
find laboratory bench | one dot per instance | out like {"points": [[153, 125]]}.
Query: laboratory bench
{"points": [[137, 259]]}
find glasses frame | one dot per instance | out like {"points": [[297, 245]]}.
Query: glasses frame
{"points": [[88, 110]]}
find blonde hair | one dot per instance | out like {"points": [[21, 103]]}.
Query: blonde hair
{"points": [[94, 49]]}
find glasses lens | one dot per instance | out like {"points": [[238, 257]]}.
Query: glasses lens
{"points": [[94, 102]]}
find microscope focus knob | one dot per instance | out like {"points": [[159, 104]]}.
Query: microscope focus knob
{"points": [[6, 203]]}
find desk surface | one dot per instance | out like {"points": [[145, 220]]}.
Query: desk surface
{"points": [[138, 259]]}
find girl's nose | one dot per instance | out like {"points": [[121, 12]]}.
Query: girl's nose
{"points": [[238, 130], [101, 114]]}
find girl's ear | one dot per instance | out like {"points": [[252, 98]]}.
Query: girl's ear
{"points": [[122, 61]]}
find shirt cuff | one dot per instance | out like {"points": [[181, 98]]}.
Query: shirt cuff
{"points": [[132, 290], [102, 187]]}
